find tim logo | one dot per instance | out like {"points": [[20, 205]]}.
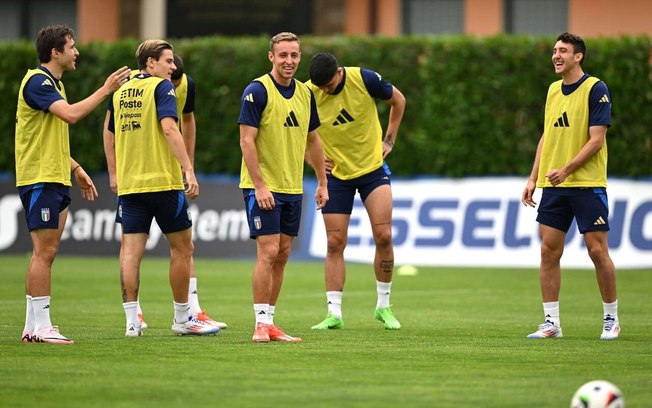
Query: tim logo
{"points": [[45, 214], [257, 223]]}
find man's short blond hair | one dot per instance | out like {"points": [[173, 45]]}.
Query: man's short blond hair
{"points": [[284, 36], [151, 48]]}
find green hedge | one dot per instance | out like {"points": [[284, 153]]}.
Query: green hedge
{"points": [[475, 105]]}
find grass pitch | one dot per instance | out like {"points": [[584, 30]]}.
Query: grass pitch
{"points": [[462, 343]]}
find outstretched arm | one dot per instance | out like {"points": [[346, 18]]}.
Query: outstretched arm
{"points": [[73, 113]]}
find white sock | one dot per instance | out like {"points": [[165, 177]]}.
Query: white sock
{"points": [[611, 309], [29, 315], [551, 312], [193, 297], [334, 299], [41, 307], [383, 289], [261, 310], [270, 313], [131, 312], [181, 312]]}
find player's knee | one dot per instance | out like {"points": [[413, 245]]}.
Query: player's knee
{"points": [[383, 238], [335, 245]]}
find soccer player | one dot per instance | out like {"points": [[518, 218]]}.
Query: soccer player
{"points": [[571, 167], [149, 157], [355, 150], [184, 87], [278, 128], [44, 166]]}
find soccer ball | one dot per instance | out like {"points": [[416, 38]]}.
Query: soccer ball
{"points": [[598, 394]]}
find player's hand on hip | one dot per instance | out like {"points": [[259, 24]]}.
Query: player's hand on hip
{"points": [[328, 165]]}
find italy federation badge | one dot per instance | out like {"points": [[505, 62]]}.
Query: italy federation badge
{"points": [[45, 214], [257, 223]]}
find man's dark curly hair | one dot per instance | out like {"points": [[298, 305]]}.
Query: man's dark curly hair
{"points": [[323, 67]]}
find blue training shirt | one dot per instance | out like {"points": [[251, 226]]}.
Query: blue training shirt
{"points": [[189, 107], [373, 81], [599, 113], [40, 97]]}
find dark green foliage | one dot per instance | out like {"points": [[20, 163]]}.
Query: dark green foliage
{"points": [[475, 105]]}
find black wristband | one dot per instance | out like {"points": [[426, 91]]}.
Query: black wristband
{"points": [[73, 170]]}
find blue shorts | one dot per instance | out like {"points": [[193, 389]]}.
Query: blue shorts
{"points": [[43, 202], [169, 208], [285, 218], [589, 207], [341, 193]]}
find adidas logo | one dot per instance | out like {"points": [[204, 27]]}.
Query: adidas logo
{"points": [[46, 82], [599, 221], [262, 312], [249, 98], [562, 121], [291, 120], [171, 93], [342, 118], [194, 292], [604, 99]]}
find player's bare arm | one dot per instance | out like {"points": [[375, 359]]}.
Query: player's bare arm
{"points": [[316, 159], [71, 114], [528, 192], [397, 103], [175, 141], [84, 181]]}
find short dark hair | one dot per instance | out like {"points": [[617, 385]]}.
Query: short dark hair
{"points": [[576, 41], [178, 73], [54, 36], [323, 67]]}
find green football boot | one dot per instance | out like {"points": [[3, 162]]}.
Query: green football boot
{"points": [[330, 322], [385, 315]]}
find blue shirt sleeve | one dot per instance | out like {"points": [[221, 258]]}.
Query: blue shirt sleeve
{"points": [[252, 104], [111, 124], [314, 115], [166, 101], [189, 107], [39, 92], [600, 105], [376, 85]]}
